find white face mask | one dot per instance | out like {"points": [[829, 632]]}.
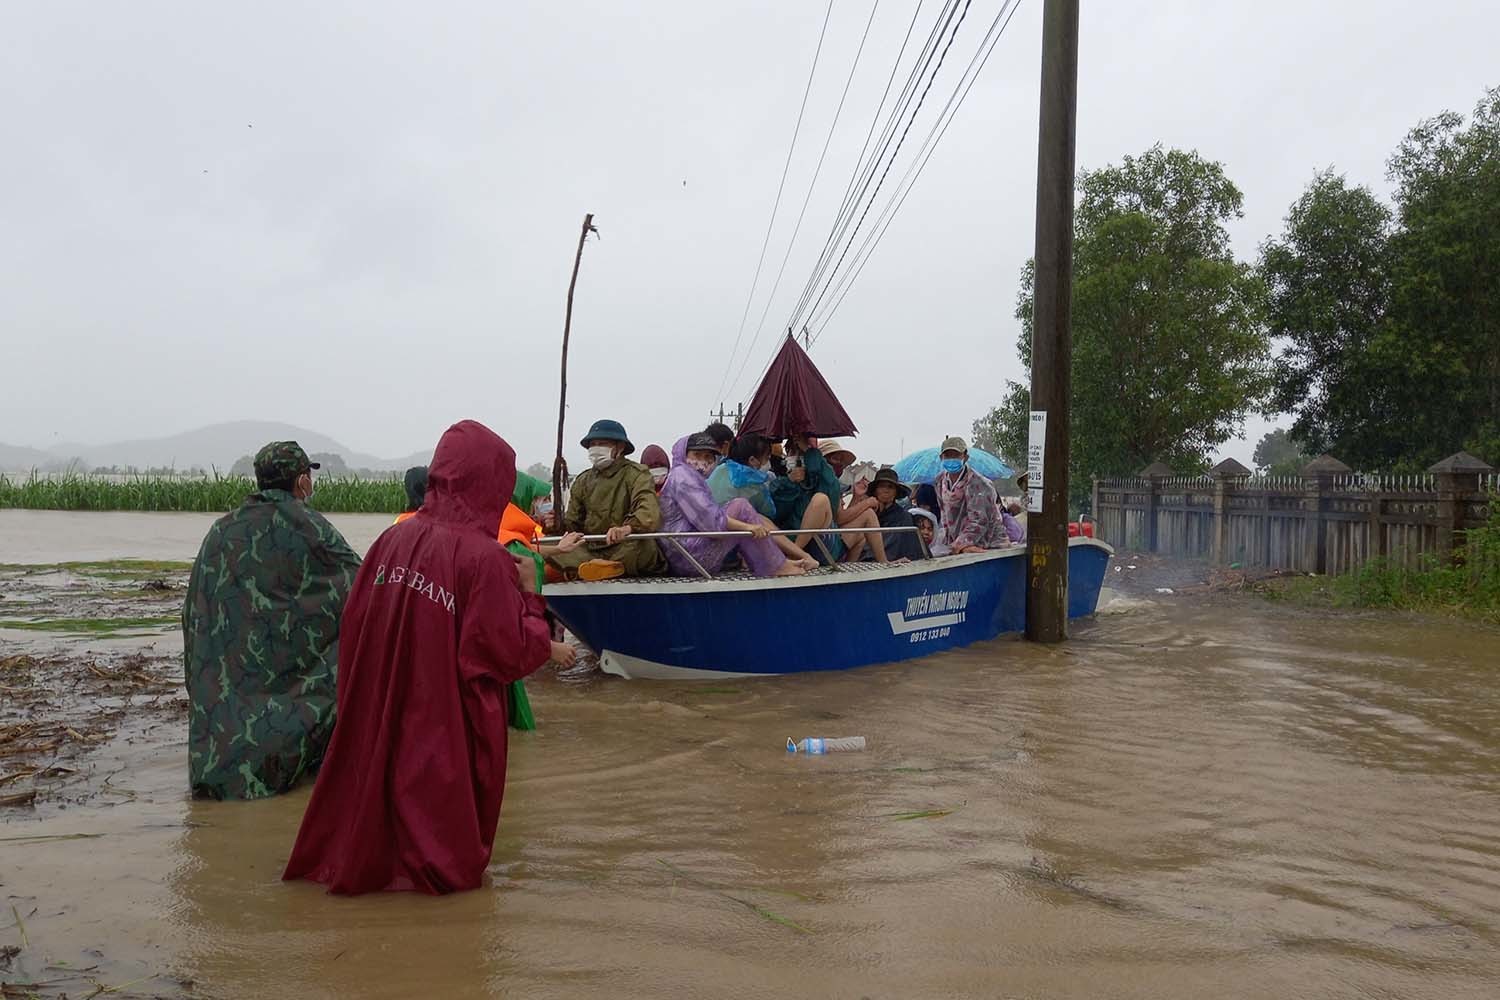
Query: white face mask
{"points": [[601, 455], [658, 475]]}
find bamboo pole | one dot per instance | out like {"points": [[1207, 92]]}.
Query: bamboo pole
{"points": [[559, 464]]}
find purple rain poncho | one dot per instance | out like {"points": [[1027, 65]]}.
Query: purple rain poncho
{"points": [[687, 505]]}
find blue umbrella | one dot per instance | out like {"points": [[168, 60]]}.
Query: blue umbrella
{"points": [[925, 466]]}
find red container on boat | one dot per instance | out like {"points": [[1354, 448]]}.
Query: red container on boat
{"points": [[1086, 529]]}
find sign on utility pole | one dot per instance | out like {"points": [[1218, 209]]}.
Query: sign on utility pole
{"points": [[1051, 335]]}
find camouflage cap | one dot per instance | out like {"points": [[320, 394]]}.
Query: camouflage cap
{"points": [[280, 461]]}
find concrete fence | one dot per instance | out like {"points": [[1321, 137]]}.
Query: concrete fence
{"points": [[1327, 519]]}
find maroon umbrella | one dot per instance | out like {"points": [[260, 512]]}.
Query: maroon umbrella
{"points": [[794, 399]]}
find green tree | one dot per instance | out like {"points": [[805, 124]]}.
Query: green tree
{"points": [[1445, 288], [1328, 283], [1169, 348], [1277, 454], [1390, 324], [539, 471]]}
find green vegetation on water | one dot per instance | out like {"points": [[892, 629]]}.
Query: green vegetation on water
{"points": [[215, 494], [1469, 587], [92, 626], [112, 569]]}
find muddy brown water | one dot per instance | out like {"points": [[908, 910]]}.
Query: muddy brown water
{"points": [[1204, 797]]}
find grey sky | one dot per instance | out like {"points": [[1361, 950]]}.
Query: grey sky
{"points": [[360, 217]]}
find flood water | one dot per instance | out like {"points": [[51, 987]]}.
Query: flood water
{"points": [[1195, 797]]}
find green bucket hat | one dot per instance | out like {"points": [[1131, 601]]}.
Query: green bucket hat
{"points": [[608, 430]]}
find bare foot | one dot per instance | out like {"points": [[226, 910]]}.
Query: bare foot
{"points": [[791, 568]]}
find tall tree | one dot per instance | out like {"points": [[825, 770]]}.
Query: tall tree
{"points": [[1169, 348], [1445, 290], [1390, 324], [1328, 282]]}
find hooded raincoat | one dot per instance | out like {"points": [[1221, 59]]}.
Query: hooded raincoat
{"points": [[434, 630], [970, 516], [792, 499], [688, 505]]}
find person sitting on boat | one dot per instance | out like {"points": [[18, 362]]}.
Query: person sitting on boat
{"points": [[723, 438], [439, 621], [616, 498], [1010, 517], [924, 495], [1023, 483], [970, 515], [654, 458], [688, 505], [886, 489], [839, 457], [415, 484], [746, 473], [927, 524], [810, 498], [260, 632]]}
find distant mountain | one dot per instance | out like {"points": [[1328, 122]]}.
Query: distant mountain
{"points": [[16, 459], [217, 446]]}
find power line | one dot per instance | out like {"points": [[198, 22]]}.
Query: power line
{"points": [[750, 351], [914, 172], [866, 170], [925, 154], [779, 187], [910, 121]]}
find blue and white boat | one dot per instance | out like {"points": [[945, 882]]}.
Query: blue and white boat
{"points": [[854, 615]]}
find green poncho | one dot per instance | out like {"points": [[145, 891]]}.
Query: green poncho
{"points": [[529, 490]]}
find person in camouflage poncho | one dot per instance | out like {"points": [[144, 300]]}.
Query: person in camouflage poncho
{"points": [[260, 629]]}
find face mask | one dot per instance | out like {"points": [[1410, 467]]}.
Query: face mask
{"points": [[703, 465], [601, 455], [658, 475], [953, 466]]}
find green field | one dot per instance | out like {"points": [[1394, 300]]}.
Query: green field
{"points": [[169, 493]]}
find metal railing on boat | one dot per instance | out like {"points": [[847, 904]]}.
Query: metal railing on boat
{"points": [[817, 533]]}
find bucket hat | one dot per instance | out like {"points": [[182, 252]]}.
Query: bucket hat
{"points": [[608, 430]]}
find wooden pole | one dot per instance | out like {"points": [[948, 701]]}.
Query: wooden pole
{"points": [[1051, 338], [560, 465]]}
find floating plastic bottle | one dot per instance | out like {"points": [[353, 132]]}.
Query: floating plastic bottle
{"points": [[829, 744]]}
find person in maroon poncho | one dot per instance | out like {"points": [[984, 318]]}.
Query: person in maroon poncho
{"points": [[437, 624]]}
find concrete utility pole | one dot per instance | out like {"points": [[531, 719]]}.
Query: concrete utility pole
{"points": [[1052, 335]]}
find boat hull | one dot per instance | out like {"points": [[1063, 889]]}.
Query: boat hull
{"points": [[734, 627]]}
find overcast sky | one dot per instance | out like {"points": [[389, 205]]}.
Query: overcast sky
{"points": [[360, 217]]}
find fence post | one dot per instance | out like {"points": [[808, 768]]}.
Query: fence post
{"points": [[1228, 476], [1376, 529], [1457, 482], [1317, 480], [1153, 474], [1094, 503]]}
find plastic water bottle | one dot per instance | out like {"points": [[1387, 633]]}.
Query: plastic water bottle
{"points": [[821, 744]]}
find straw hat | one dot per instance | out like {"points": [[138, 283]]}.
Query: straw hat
{"points": [[830, 448]]}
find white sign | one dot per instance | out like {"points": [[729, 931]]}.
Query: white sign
{"points": [[1036, 450]]}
